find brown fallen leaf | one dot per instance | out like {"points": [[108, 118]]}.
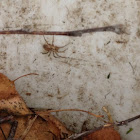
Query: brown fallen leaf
{"points": [[10, 101], [29, 125], [63, 131], [106, 133], [43, 128]]}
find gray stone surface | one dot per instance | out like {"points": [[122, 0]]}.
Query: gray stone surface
{"points": [[80, 80]]}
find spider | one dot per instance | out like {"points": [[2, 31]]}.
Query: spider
{"points": [[51, 48]]}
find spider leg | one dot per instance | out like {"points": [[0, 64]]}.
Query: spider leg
{"points": [[54, 55], [64, 45], [59, 55], [45, 52], [62, 51], [45, 40], [53, 41], [49, 53]]}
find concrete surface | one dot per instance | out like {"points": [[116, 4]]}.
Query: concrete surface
{"points": [[79, 81]]}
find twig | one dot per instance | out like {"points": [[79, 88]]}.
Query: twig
{"points": [[125, 122], [98, 116], [5, 119], [118, 29], [12, 130], [83, 134], [30, 124], [24, 76], [13, 126], [3, 133]]}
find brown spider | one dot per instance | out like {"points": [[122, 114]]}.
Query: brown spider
{"points": [[51, 48]]}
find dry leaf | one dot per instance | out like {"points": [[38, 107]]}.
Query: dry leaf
{"points": [[46, 127], [39, 130], [29, 125], [108, 133], [10, 101], [63, 132], [105, 133]]}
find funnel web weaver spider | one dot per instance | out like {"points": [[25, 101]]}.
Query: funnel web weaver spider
{"points": [[51, 48]]}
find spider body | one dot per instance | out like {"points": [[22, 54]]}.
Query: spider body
{"points": [[51, 48]]}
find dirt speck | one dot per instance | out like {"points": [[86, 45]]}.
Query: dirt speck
{"points": [[28, 94], [49, 95], [138, 33], [81, 93], [137, 85]]}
